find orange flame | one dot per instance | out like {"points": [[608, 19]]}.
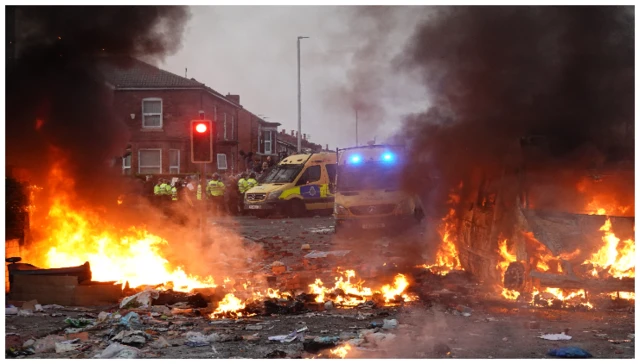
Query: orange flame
{"points": [[617, 258], [356, 293], [341, 351], [230, 304], [503, 264], [76, 236], [447, 258]]}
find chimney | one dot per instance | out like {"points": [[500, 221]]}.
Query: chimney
{"points": [[293, 133], [233, 98], [327, 148], [284, 131]]}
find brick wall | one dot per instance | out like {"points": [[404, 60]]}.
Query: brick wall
{"points": [[179, 107]]}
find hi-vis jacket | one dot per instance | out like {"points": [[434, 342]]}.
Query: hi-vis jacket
{"points": [[215, 188], [242, 185], [251, 183]]}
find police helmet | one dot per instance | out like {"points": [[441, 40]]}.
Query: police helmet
{"points": [[252, 175], [216, 175]]}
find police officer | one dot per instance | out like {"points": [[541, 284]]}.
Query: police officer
{"points": [[242, 184], [251, 182], [215, 191]]}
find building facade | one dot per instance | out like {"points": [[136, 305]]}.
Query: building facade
{"points": [[158, 106]]}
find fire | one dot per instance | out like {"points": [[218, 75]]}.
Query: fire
{"points": [[400, 283], [623, 295], [543, 258], [341, 351], [615, 257], [355, 293], [75, 236], [507, 258], [550, 294], [447, 256], [229, 305]]}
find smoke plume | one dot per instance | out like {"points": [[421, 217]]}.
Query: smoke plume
{"points": [[498, 74], [58, 105]]}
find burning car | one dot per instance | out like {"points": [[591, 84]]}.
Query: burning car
{"points": [[544, 237]]}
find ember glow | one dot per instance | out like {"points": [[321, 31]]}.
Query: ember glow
{"points": [[614, 257], [78, 235]]}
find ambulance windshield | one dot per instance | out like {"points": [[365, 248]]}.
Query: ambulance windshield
{"points": [[368, 176], [283, 173]]}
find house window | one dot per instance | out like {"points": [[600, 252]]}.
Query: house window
{"points": [[126, 165], [222, 161], [174, 161], [225, 126], [152, 113], [267, 142], [150, 161]]}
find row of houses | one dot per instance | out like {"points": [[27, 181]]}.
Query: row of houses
{"points": [[157, 106]]}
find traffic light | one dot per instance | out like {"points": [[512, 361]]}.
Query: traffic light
{"points": [[201, 141]]}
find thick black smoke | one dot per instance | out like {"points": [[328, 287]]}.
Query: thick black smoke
{"points": [[497, 74], [56, 98]]}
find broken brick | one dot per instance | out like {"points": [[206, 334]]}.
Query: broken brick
{"points": [[83, 336]]}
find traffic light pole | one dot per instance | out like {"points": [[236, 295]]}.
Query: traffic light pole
{"points": [[203, 203]]}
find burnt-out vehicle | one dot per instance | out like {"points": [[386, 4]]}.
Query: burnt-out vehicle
{"points": [[529, 228]]}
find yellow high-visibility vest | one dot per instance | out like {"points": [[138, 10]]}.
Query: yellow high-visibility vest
{"points": [[216, 188], [242, 185]]}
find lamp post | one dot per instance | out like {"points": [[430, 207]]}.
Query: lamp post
{"points": [[299, 101]]}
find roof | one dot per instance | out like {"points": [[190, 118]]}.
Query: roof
{"points": [[294, 141], [128, 72]]}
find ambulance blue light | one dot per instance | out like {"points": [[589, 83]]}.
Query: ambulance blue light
{"points": [[387, 157], [355, 159]]}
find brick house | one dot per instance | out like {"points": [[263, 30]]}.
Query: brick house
{"points": [[287, 144], [157, 106]]}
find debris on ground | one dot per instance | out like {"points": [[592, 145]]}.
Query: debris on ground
{"points": [[68, 345], [119, 351], [140, 300], [390, 324], [555, 337]]}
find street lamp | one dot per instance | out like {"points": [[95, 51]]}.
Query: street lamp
{"points": [[299, 101]]}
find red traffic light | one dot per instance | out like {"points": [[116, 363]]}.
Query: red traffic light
{"points": [[201, 127]]}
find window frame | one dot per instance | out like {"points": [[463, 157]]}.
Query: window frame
{"points": [[125, 166], [178, 166], [140, 159], [226, 165], [270, 141], [152, 114], [300, 179]]}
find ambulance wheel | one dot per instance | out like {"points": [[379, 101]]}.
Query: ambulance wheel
{"points": [[297, 208]]}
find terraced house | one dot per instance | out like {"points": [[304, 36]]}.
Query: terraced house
{"points": [[158, 106]]}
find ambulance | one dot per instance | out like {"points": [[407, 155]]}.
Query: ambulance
{"points": [[298, 184], [368, 192]]}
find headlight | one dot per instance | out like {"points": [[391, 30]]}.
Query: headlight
{"points": [[274, 195], [340, 210]]}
